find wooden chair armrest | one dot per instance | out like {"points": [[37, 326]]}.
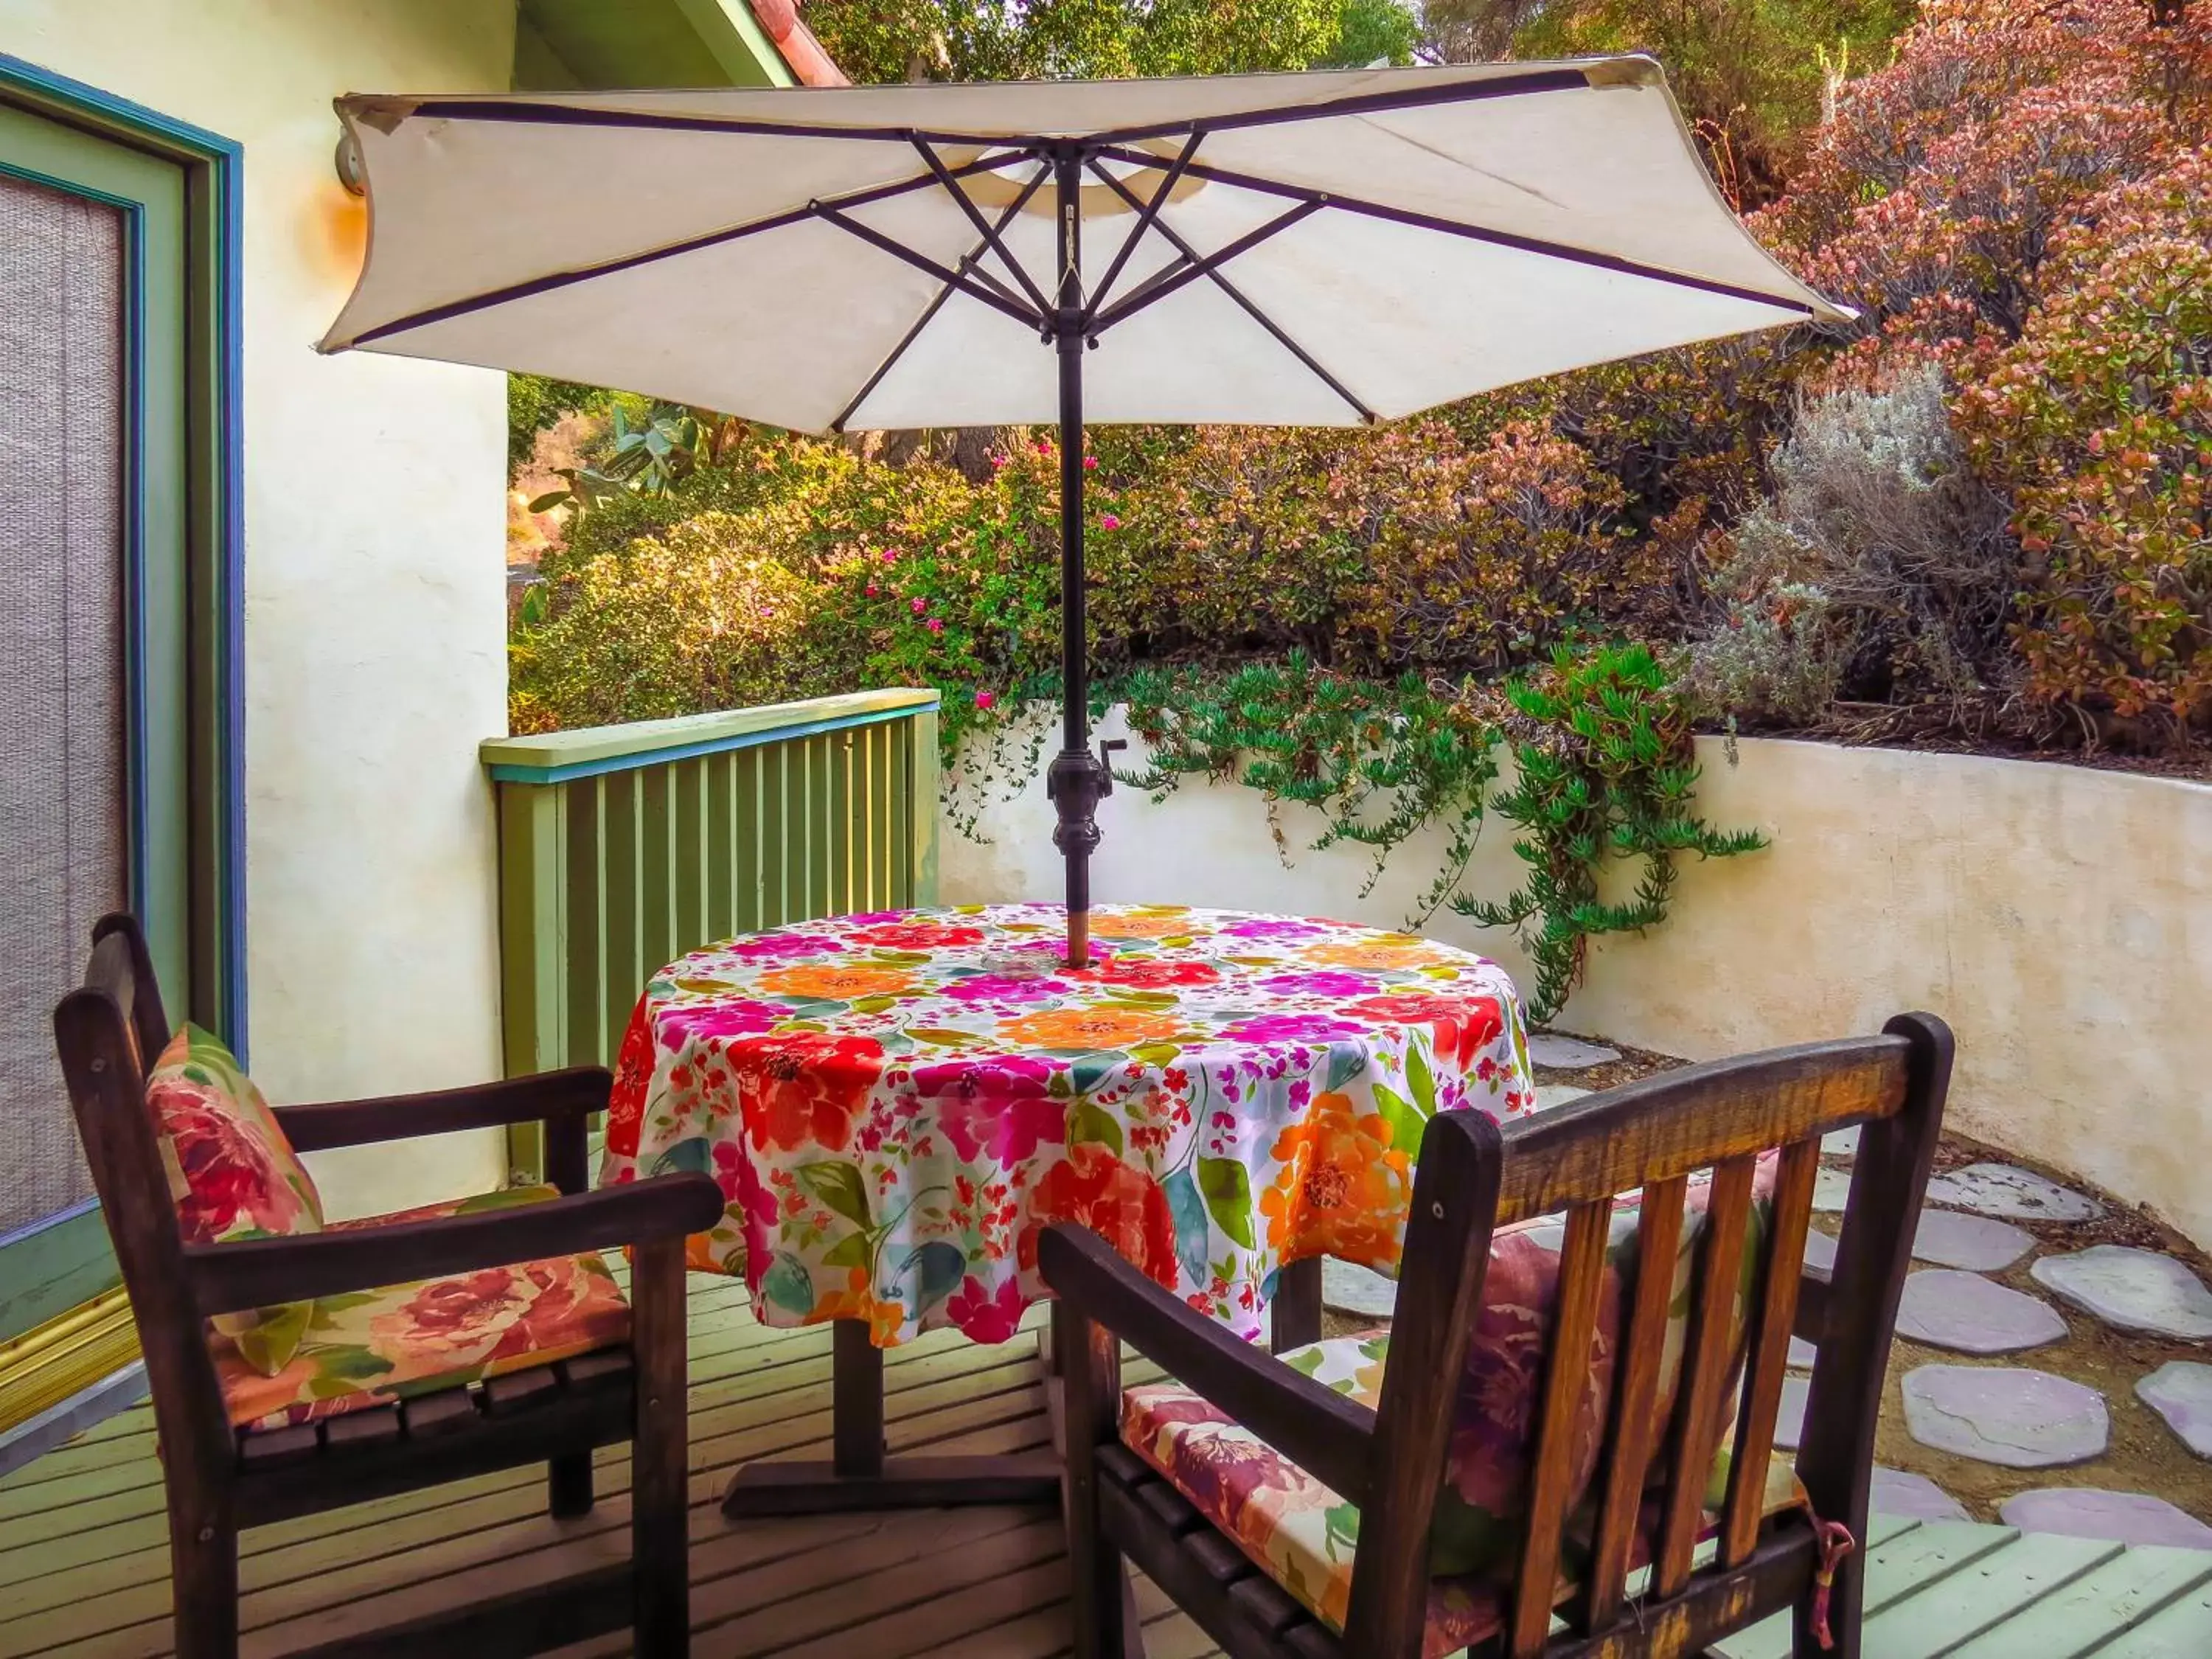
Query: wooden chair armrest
{"points": [[1331, 1437], [544, 1097], [256, 1272]]}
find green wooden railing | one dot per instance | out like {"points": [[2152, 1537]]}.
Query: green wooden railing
{"points": [[623, 846]]}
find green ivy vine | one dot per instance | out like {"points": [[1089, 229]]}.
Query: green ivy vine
{"points": [[1602, 770]]}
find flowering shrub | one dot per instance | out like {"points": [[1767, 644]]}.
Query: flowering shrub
{"points": [[2097, 420]]}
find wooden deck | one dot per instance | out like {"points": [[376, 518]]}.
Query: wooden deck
{"points": [[84, 1566]]}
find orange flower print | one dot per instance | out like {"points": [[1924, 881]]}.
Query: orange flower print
{"points": [[1091, 1028], [858, 1300], [836, 983], [1144, 924], [1343, 1189], [1376, 950]]}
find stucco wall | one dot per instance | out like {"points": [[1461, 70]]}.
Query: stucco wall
{"points": [[375, 517], [2060, 918]]}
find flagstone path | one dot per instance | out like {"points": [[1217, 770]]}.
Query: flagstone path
{"points": [[2107, 1345]]}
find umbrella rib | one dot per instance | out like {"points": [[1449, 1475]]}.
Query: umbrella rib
{"points": [[930, 313], [535, 285], [989, 234], [1199, 265], [1146, 215], [898, 250], [1420, 220], [1211, 268]]}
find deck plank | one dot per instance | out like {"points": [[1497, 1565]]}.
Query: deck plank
{"points": [[2097, 1606], [84, 1560]]}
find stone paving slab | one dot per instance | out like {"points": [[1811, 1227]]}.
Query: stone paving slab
{"points": [[1900, 1492], [1965, 1313], [1831, 1190], [1355, 1290], [1789, 1422], [1979, 1243], [2021, 1419], [1565, 1054], [1558, 1093], [1819, 1249], [2181, 1391], [1801, 1354], [2122, 1518], [2133, 1289], [2004, 1189], [1844, 1144]]}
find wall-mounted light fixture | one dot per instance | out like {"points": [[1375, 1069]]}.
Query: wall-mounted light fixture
{"points": [[351, 172]]}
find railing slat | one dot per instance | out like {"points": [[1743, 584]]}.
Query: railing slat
{"points": [[622, 848]]}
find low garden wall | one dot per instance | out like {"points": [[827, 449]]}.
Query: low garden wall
{"points": [[2060, 918]]}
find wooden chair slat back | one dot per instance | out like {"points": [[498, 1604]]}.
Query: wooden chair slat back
{"points": [[103, 1061], [1652, 1135]]}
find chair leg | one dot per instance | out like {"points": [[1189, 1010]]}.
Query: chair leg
{"points": [[660, 1565], [568, 1485], [1089, 1363], [204, 1573]]}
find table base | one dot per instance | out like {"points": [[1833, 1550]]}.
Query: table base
{"points": [[860, 1475]]}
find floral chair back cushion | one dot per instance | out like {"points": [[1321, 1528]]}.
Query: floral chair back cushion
{"points": [[233, 1174], [1477, 1526]]}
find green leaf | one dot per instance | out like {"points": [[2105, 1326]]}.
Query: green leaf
{"points": [[1156, 1054], [853, 1250], [550, 500], [787, 1284], [944, 1038], [1094, 1068], [938, 1267], [1089, 1121], [1188, 1210], [1419, 1079], [1405, 1125], [1227, 1186], [1346, 1061], [693, 1156], [836, 1186]]}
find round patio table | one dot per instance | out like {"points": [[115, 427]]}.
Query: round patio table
{"points": [[897, 1105]]}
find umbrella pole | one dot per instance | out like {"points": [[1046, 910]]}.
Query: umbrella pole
{"points": [[1077, 778]]}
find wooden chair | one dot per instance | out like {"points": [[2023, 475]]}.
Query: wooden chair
{"points": [[1645, 1501], [221, 1478]]}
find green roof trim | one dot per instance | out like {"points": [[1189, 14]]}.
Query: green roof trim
{"points": [[566, 44]]}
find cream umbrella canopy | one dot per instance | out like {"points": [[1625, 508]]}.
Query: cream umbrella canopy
{"points": [[1324, 249]]}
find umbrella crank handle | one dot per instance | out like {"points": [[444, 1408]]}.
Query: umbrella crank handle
{"points": [[1106, 750], [1077, 781]]}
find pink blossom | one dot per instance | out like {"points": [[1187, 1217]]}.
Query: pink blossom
{"points": [[1044, 446], [1090, 462], [872, 590], [921, 605], [934, 626], [888, 556], [1109, 522], [998, 462], [984, 699]]}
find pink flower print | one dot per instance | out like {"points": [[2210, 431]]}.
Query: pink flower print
{"points": [[1003, 987], [1281, 928], [985, 1316], [1323, 984], [1292, 1028], [741, 1185], [777, 947], [714, 1022], [1000, 1107]]}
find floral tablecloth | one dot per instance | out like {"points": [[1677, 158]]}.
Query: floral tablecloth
{"points": [[897, 1105]]}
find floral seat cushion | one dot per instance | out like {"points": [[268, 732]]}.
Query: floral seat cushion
{"points": [[367, 1348], [233, 1174], [1298, 1529], [1305, 1537]]}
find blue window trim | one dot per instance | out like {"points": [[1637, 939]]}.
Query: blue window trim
{"points": [[216, 165]]}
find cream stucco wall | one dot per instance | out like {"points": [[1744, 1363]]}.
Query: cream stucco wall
{"points": [[2060, 918], [374, 625]]}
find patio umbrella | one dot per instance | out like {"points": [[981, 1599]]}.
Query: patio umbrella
{"points": [[1323, 249]]}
